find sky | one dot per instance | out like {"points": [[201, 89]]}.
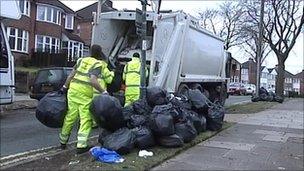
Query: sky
{"points": [[294, 63]]}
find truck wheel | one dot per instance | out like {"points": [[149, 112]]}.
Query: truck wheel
{"points": [[182, 89], [197, 86]]}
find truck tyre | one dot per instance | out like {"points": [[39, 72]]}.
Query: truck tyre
{"points": [[182, 89], [197, 86]]}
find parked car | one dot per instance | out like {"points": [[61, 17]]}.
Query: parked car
{"points": [[250, 89], [236, 88], [47, 80]]}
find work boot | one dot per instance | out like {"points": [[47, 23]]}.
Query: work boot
{"points": [[83, 150], [62, 146]]}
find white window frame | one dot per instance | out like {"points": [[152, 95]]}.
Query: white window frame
{"points": [[57, 43], [26, 11], [79, 47], [45, 8], [24, 42], [66, 22]]}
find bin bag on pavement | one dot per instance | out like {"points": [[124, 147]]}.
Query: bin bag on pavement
{"points": [[263, 97], [170, 141], [143, 137], [167, 109], [197, 99], [121, 141], [279, 99], [199, 122], [255, 98], [161, 124], [108, 112], [105, 155], [103, 133], [215, 117], [127, 112], [186, 131], [137, 120], [52, 109], [156, 96], [181, 101], [141, 107]]}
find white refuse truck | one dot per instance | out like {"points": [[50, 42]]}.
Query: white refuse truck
{"points": [[180, 54], [8, 9]]}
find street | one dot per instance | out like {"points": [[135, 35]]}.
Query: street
{"points": [[21, 131]]}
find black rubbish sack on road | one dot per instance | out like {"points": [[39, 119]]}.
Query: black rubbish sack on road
{"points": [[186, 131], [121, 141], [141, 107], [143, 137], [167, 110], [107, 111], [279, 99], [171, 141], [102, 135], [51, 109], [161, 124], [199, 122], [137, 120], [215, 117], [255, 98], [198, 99], [156, 96], [127, 112], [263, 97]]}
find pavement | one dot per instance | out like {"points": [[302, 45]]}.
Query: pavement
{"points": [[269, 140]]}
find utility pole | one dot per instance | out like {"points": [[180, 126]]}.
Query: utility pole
{"points": [[141, 31], [259, 50]]}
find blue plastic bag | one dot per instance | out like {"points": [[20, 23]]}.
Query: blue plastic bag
{"points": [[105, 155]]}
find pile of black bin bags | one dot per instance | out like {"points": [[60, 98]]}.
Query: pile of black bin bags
{"points": [[264, 95], [160, 119]]}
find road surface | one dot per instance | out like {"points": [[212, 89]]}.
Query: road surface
{"points": [[237, 99], [21, 131]]}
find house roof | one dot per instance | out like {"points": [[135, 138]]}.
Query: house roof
{"points": [[56, 3], [286, 73], [245, 65], [86, 12], [300, 75], [72, 36], [263, 67]]}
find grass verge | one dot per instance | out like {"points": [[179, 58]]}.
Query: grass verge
{"points": [[248, 108], [133, 162]]}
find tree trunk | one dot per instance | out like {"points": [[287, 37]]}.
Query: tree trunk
{"points": [[280, 77]]}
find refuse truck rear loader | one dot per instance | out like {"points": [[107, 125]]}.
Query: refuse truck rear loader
{"points": [[180, 54]]}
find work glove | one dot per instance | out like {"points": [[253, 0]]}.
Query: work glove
{"points": [[63, 90]]}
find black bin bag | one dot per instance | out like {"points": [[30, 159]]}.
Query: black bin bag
{"points": [[215, 117], [143, 137], [156, 96], [137, 120], [167, 109], [52, 109], [107, 111], [186, 131], [141, 107], [199, 122], [279, 99], [171, 141], [198, 100], [161, 124], [255, 98], [121, 141]]}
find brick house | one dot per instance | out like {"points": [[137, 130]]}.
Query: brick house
{"points": [[298, 84], [233, 69], [248, 72], [84, 26], [45, 26]]}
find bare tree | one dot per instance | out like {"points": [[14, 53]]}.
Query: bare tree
{"points": [[283, 23], [224, 22]]}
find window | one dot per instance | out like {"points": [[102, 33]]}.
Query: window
{"points": [[18, 39], [47, 44], [69, 21], [24, 7], [3, 51], [74, 49], [48, 14]]}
